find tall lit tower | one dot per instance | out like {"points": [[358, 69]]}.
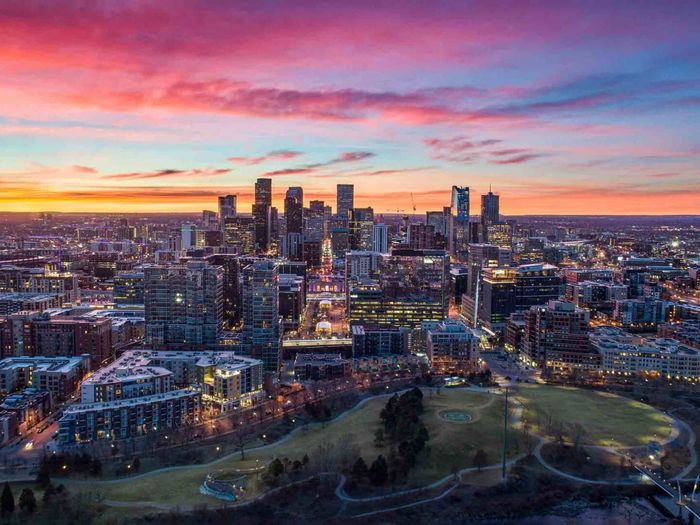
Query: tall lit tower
{"points": [[346, 200], [227, 207], [459, 221], [261, 321], [261, 214], [490, 213]]}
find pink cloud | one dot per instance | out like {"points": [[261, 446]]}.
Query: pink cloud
{"points": [[272, 155]]}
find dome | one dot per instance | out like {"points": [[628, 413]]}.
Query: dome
{"points": [[323, 326]]}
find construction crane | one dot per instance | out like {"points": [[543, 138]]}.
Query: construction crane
{"points": [[413, 201]]}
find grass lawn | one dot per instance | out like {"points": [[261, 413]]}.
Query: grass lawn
{"points": [[608, 419], [452, 445]]}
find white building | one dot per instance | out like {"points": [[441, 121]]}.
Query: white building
{"points": [[627, 354]]}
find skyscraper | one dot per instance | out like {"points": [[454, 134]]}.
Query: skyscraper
{"points": [[261, 214], [227, 207], [459, 221], [183, 305], [293, 209], [460, 202], [346, 199], [380, 238], [490, 213], [361, 225], [261, 320]]}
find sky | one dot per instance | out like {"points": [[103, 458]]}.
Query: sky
{"points": [[563, 107]]}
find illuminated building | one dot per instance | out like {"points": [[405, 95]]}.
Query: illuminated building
{"points": [[628, 354], [556, 336], [124, 418], [183, 305], [261, 319], [421, 237], [490, 213], [453, 348], [294, 210], [316, 367], [227, 207], [361, 228], [59, 375], [411, 286], [39, 280], [261, 214], [128, 288], [239, 234], [535, 285], [345, 200], [380, 238], [459, 222]]}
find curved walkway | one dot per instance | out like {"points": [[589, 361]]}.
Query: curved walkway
{"points": [[341, 494]]}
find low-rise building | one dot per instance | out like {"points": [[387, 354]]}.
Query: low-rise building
{"points": [[321, 366], [687, 332], [125, 418], [59, 375], [31, 406], [9, 427], [628, 354]]}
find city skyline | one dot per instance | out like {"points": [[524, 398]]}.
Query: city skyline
{"points": [[561, 108]]}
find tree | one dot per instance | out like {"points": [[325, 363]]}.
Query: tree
{"points": [[359, 469], [43, 477], [578, 433], [7, 501], [481, 459], [27, 501], [96, 467], [379, 438], [379, 471], [276, 468]]}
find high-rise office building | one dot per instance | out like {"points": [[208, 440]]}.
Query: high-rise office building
{"points": [[231, 294], [490, 213], [498, 233], [421, 237], [409, 287], [346, 199], [460, 202], [380, 238], [480, 256], [361, 229], [189, 236], [208, 220], [293, 209], [183, 305], [556, 335], [239, 234], [459, 235], [261, 317], [227, 207], [497, 298], [536, 285], [261, 214]]}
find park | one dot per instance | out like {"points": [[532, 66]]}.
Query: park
{"points": [[460, 423]]}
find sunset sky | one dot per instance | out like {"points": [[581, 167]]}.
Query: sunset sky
{"points": [[566, 108]]}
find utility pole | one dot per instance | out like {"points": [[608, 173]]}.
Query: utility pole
{"points": [[505, 436]]}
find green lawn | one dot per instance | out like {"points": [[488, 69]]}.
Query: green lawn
{"points": [[608, 419], [452, 445]]}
